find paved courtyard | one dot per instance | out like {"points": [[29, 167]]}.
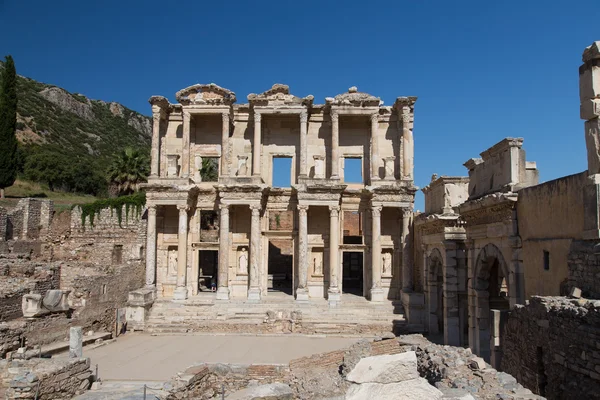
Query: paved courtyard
{"points": [[142, 357]]}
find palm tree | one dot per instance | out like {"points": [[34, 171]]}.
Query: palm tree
{"points": [[128, 170], [210, 170]]}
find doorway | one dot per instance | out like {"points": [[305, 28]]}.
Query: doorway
{"points": [[208, 261], [280, 267], [352, 272]]}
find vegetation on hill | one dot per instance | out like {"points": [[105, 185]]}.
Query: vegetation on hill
{"points": [[8, 120]]}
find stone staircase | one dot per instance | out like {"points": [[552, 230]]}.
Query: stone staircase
{"points": [[276, 313]]}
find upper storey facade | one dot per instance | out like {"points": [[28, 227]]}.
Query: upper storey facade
{"points": [[244, 140]]}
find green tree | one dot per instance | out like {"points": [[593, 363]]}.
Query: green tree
{"points": [[210, 170], [128, 170], [8, 125]]}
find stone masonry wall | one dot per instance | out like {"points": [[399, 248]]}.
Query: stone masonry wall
{"points": [[584, 268], [3, 222], [552, 347]]}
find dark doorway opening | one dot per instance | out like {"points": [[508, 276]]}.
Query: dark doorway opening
{"points": [[208, 268], [352, 272], [280, 268]]}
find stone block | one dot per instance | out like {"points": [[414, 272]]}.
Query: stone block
{"points": [[477, 363], [589, 109], [575, 293], [385, 369], [272, 391], [413, 389], [589, 80]]}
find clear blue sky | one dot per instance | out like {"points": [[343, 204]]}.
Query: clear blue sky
{"points": [[482, 70]]}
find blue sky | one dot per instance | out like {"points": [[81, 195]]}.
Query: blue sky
{"points": [[482, 70]]}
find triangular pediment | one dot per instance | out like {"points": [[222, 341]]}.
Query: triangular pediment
{"points": [[208, 94], [279, 95]]}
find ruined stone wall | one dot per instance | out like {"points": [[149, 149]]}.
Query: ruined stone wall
{"points": [[3, 222], [584, 268], [551, 347], [28, 220]]}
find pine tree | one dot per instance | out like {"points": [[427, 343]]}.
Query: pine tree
{"points": [[8, 125]]}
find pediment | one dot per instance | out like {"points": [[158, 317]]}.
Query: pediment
{"points": [[209, 94], [354, 98], [279, 95]]}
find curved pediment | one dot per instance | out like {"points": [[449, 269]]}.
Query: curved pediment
{"points": [[210, 94], [354, 98], [279, 95]]}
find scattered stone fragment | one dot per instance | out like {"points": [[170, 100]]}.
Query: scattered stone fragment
{"points": [[273, 391], [413, 389], [385, 369]]}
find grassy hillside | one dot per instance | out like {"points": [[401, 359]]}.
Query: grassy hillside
{"points": [[62, 200]]}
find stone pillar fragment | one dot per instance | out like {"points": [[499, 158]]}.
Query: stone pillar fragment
{"points": [[254, 290], [406, 249], [75, 342], [151, 247], [155, 153], [223, 277], [303, 144], [334, 246], [256, 148], [376, 289], [335, 153], [225, 162], [407, 145], [302, 289], [180, 292], [185, 151], [375, 147]]}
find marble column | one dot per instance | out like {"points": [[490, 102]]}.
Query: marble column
{"points": [[254, 290], [335, 153], [224, 248], [303, 143], [151, 247], [406, 250], [181, 289], [185, 151], [407, 145], [302, 290], [376, 289], [225, 162], [374, 147], [256, 149], [155, 153], [334, 246], [75, 342]]}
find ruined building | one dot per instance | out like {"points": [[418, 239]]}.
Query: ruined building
{"points": [[320, 233]]}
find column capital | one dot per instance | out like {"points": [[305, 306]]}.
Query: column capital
{"points": [[255, 209], [186, 114], [225, 117], [376, 210], [303, 116], [302, 208], [374, 117], [224, 207], [151, 206], [334, 210], [257, 116], [334, 116], [182, 207], [407, 213]]}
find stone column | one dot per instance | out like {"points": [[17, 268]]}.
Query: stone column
{"points": [[406, 250], [335, 153], [334, 246], [185, 151], [225, 162], [303, 143], [374, 147], [181, 289], [155, 154], [223, 289], [151, 247], [75, 342], [256, 149], [254, 290], [407, 145], [376, 289], [450, 293], [302, 290]]}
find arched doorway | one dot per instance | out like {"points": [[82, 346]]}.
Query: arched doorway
{"points": [[492, 291], [435, 290]]}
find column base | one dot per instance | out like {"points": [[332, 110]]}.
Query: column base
{"points": [[223, 293], [334, 297], [377, 295], [253, 295], [180, 293], [302, 295]]}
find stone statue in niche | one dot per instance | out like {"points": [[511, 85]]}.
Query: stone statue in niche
{"points": [[172, 165], [319, 167], [243, 262], [172, 261], [242, 166], [386, 264], [389, 167], [318, 263], [197, 168]]}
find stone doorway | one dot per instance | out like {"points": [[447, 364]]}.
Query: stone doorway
{"points": [[435, 289], [352, 273], [281, 266], [208, 266]]}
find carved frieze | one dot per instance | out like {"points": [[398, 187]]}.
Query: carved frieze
{"points": [[207, 94], [354, 98], [279, 95]]}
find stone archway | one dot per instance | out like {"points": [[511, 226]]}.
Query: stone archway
{"points": [[435, 292], [492, 292]]}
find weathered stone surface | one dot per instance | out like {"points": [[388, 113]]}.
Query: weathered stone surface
{"points": [[385, 369], [413, 389], [272, 391], [75, 342]]}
